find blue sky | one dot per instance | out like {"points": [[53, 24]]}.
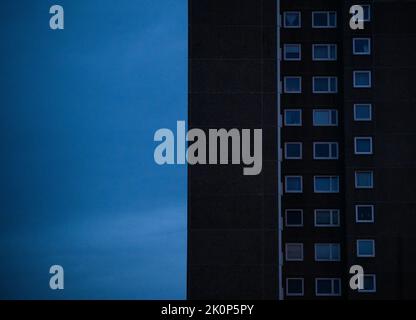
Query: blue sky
{"points": [[79, 186]]}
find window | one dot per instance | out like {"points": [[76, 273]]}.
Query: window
{"points": [[364, 179], [291, 19], [292, 52], [367, 12], [325, 85], [363, 145], [293, 84], [294, 251], [362, 112], [364, 213], [328, 286], [369, 283], [366, 248], [325, 150], [293, 117], [327, 252], [325, 117], [324, 52], [324, 19], [294, 218], [362, 79], [326, 218], [293, 150], [361, 46], [294, 286], [293, 184], [326, 184]]}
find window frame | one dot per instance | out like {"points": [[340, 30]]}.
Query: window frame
{"points": [[285, 117], [356, 180], [301, 183], [292, 44], [330, 157], [332, 294], [331, 212], [356, 152], [366, 255], [293, 225], [325, 176], [301, 151], [328, 50], [357, 206], [331, 245], [292, 92], [328, 78], [356, 86], [314, 122], [363, 119], [328, 26], [292, 27], [300, 244], [295, 294], [357, 53]]}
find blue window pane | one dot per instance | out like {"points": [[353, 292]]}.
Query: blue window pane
{"points": [[293, 184], [323, 217], [335, 252], [321, 84], [322, 184], [363, 145], [292, 84], [293, 150], [292, 52], [293, 117], [332, 19], [323, 252], [369, 283], [292, 19], [337, 286], [364, 179], [365, 248], [320, 19], [361, 46], [335, 218], [365, 213], [333, 84], [324, 286], [320, 52], [333, 51], [362, 79], [362, 112]]}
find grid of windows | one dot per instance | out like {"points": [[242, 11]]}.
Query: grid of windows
{"points": [[326, 147]]}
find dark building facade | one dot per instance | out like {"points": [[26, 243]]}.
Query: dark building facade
{"points": [[337, 108]]}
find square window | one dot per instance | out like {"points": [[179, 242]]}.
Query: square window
{"points": [[362, 112], [362, 79], [294, 251], [326, 218], [363, 145], [324, 52], [369, 283], [293, 150], [293, 117], [366, 248], [294, 217], [293, 84], [324, 85], [291, 19], [325, 117], [327, 252], [364, 213], [325, 150], [294, 286], [361, 46], [328, 286], [326, 184], [364, 179], [292, 52], [293, 184], [324, 19]]}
